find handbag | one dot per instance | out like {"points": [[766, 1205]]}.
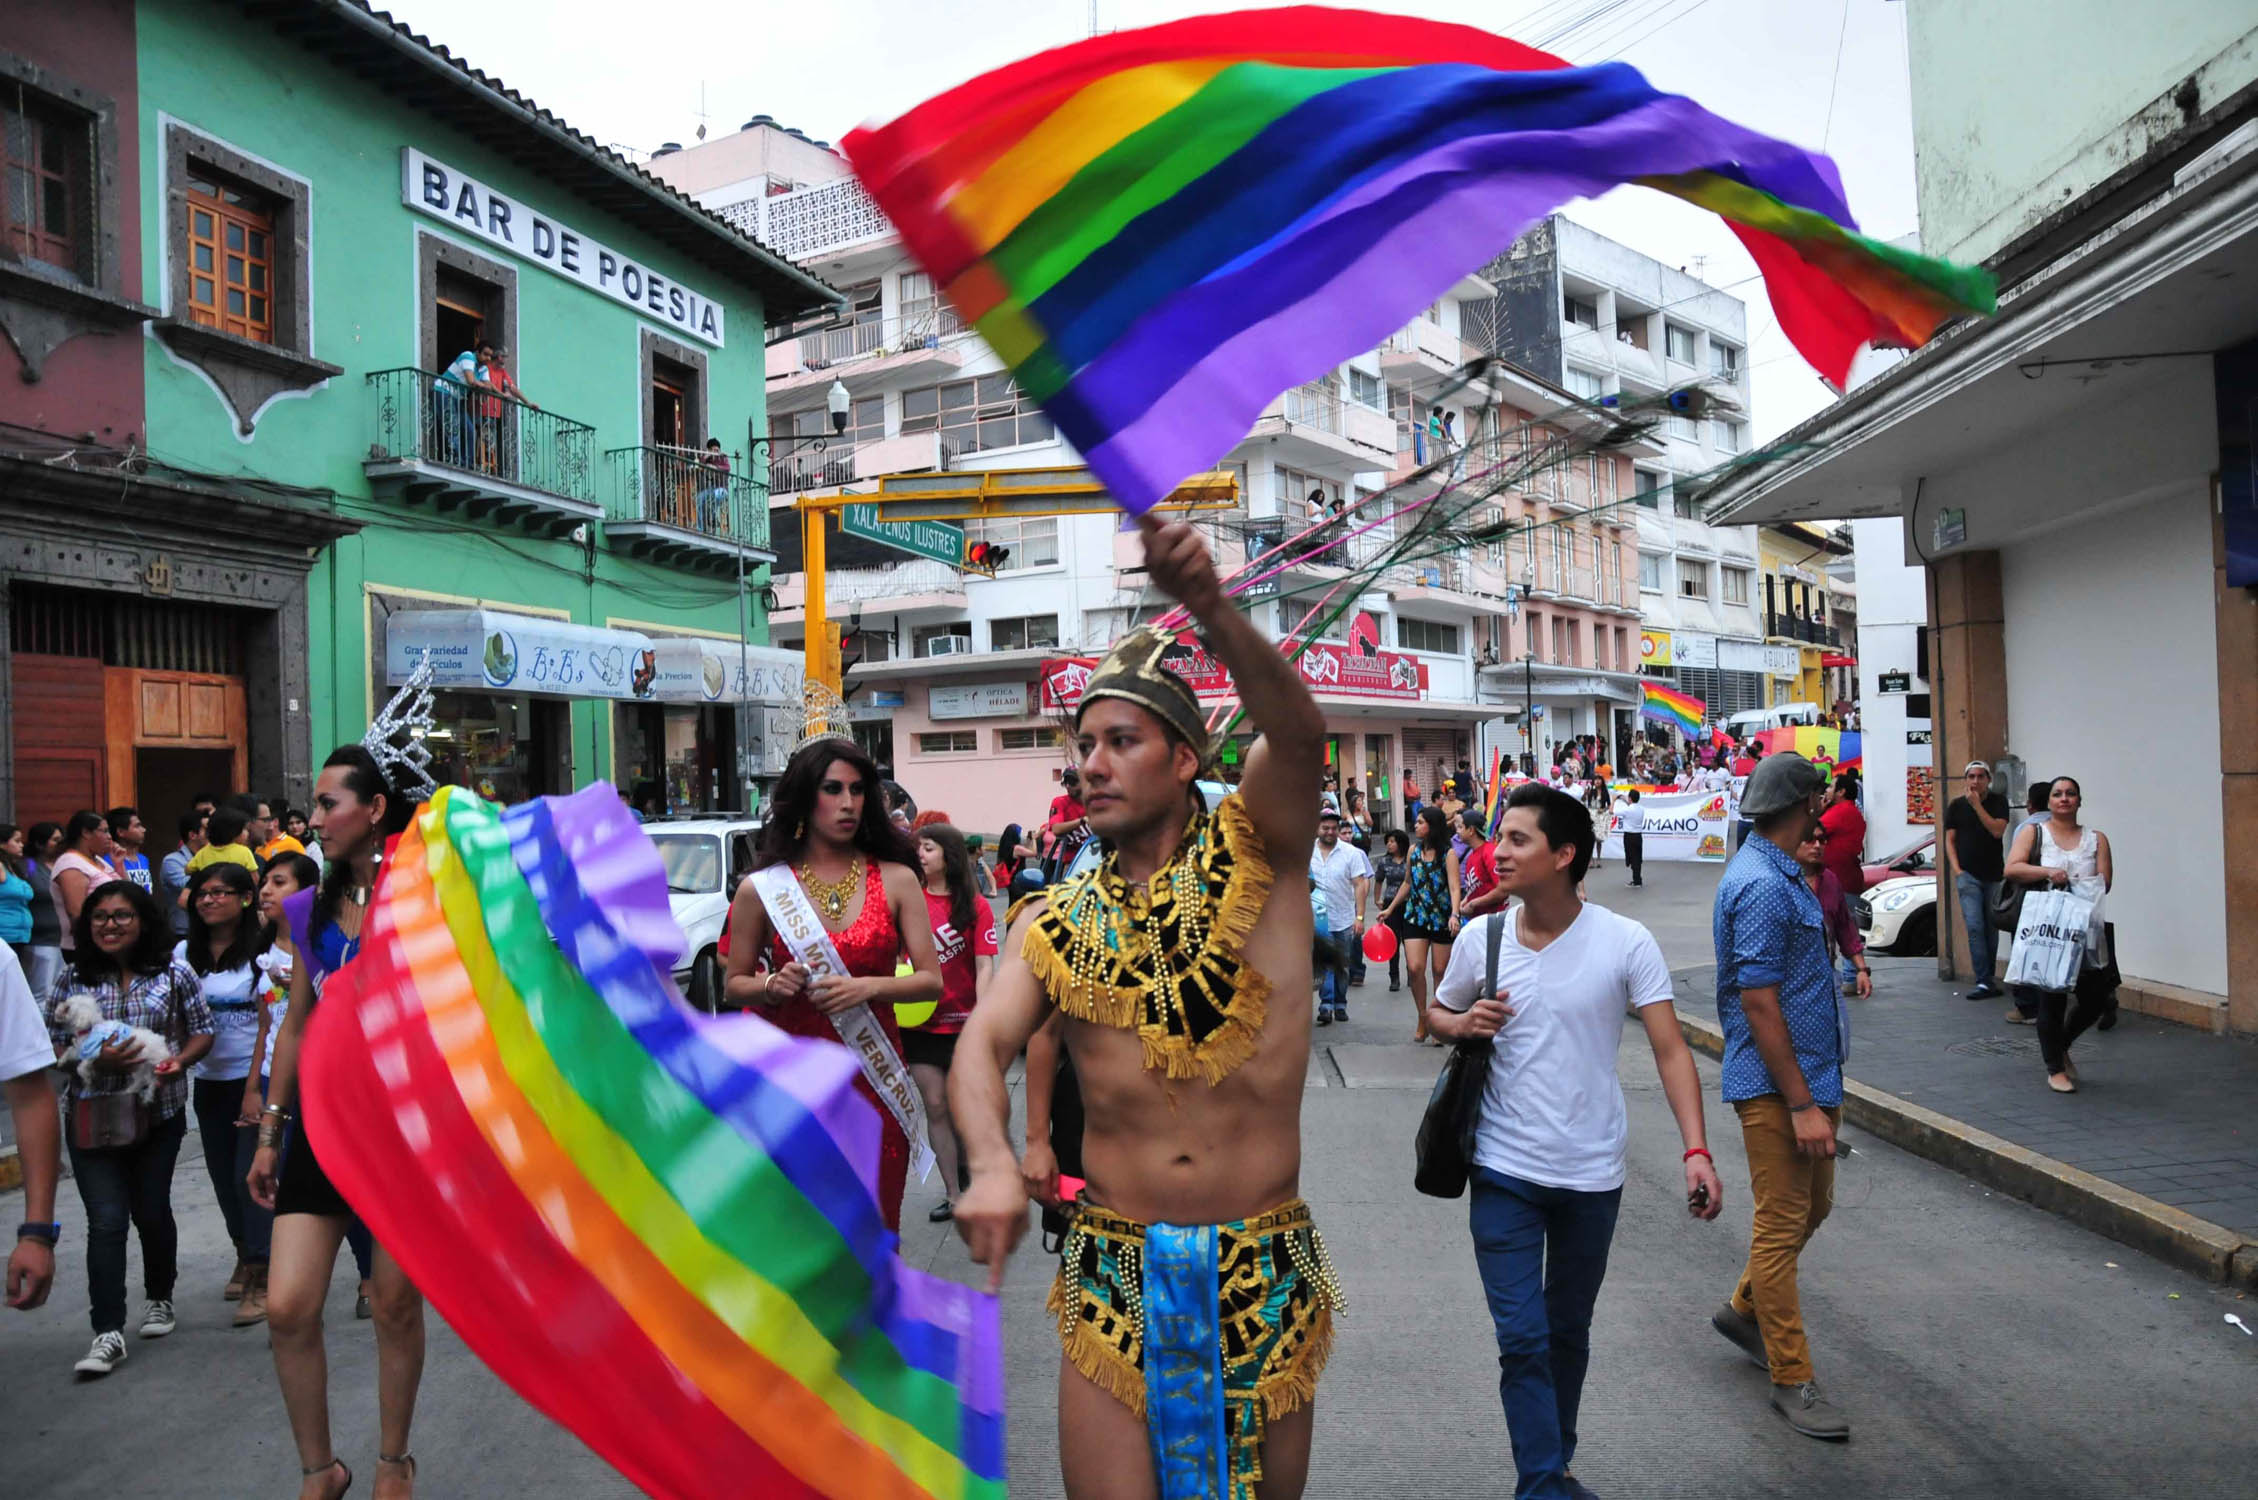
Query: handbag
{"points": [[108, 1122], [2007, 904], [1445, 1145]]}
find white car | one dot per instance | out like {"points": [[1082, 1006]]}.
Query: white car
{"points": [[1899, 916], [704, 858]]}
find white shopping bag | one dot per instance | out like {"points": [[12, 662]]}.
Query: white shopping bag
{"points": [[2050, 941]]}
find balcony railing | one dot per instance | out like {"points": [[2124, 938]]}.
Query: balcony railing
{"points": [[809, 222], [422, 417], [683, 489], [1789, 628], [815, 463], [868, 336]]}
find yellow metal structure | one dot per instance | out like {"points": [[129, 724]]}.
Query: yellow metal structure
{"points": [[1012, 493]]}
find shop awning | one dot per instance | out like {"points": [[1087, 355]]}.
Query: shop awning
{"points": [[493, 651], [1836, 659]]}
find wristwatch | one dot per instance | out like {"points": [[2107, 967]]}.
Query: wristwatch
{"points": [[47, 1234]]}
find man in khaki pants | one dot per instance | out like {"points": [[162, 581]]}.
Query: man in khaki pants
{"points": [[1786, 1035]]}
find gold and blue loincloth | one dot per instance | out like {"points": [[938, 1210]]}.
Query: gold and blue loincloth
{"points": [[1134, 1318]]}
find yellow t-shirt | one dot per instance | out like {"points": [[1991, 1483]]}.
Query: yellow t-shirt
{"points": [[281, 843], [215, 854]]}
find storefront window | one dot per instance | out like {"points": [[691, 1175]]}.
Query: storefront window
{"points": [[505, 749], [688, 749]]}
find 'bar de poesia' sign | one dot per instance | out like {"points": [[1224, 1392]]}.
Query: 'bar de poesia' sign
{"points": [[474, 208]]}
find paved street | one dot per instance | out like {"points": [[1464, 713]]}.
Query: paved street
{"points": [[1982, 1347]]}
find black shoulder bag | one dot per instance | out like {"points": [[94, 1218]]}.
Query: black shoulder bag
{"points": [[1445, 1146]]}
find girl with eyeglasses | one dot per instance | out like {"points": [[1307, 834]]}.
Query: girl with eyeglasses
{"points": [[122, 958], [223, 941]]}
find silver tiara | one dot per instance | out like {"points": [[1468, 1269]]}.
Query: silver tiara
{"points": [[397, 737]]}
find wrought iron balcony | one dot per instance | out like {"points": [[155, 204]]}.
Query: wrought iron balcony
{"points": [[435, 440], [682, 506]]}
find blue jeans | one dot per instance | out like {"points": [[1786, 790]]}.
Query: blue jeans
{"points": [[1975, 909], [130, 1185], [1334, 992], [1542, 1252]]}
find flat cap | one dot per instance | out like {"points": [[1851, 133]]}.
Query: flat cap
{"points": [[1779, 782]]}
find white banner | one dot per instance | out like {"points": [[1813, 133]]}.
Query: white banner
{"points": [[1679, 825], [977, 700], [795, 921]]}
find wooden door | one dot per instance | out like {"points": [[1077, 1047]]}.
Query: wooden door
{"points": [[173, 710], [56, 721]]}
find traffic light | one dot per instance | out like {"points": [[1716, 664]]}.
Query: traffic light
{"points": [[985, 557]]}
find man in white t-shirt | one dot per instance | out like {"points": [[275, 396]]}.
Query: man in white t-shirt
{"points": [[1549, 1151], [1343, 873], [27, 1054], [1630, 821]]}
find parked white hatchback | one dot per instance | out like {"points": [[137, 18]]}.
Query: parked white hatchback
{"points": [[704, 858]]}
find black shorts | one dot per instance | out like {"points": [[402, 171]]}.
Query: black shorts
{"points": [[1412, 932], [301, 1186], [933, 1049]]}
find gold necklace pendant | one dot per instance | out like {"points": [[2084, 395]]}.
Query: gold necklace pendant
{"points": [[831, 896]]}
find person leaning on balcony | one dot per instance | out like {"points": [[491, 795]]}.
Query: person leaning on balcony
{"points": [[496, 377], [713, 497], [452, 413]]}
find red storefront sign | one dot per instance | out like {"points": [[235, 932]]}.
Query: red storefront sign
{"points": [[1330, 670]]}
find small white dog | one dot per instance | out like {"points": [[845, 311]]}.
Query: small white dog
{"points": [[84, 1017]]}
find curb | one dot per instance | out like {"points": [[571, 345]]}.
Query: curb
{"points": [[2171, 1235]]}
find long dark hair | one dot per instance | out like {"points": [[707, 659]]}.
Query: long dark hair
{"points": [[152, 949], [8, 856], [36, 837], [367, 783], [1007, 849], [303, 870], [956, 868], [245, 945], [1434, 829], [784, 833]]}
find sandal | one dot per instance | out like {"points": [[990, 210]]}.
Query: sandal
{"points": [[335, 1463]]}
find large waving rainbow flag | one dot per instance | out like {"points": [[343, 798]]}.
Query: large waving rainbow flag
{"points": [[662, 1229], [1159, 230], [1666, 705]]}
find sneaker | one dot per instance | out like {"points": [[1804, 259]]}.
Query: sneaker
{"points": [[157, 1321], [2017, 1018], [1577, 1489], [1985, 990], [1810, 1413], [1743, 1332], [1324, 1016], [105, 1354], [1394, 987], [235, 1280]]}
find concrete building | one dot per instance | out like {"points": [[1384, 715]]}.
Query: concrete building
{"points": [[250, 499], [1804, 602], [1894, 704], [946, 668], [2075, 474], [1597, 317]]}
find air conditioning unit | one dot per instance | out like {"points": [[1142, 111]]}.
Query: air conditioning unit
{"points": [[948, 645]]}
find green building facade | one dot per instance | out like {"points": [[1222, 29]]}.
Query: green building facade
{"points": [[331, 213]]}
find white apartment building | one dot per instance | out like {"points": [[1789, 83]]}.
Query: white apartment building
{"points": [[1431, 665], [1601, 319]]}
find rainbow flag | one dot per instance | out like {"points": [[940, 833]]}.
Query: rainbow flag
{"points": [[1161, 229], [1497, 789], [1666, 705], [661, 1228], [1829, 749]]}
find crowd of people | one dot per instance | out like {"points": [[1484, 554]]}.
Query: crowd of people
{"points": [[185, 991]]}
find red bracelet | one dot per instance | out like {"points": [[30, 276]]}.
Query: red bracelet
{"points": [[1700, 1151]]}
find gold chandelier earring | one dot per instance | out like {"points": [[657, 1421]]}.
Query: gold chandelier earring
{"points": [[800, 834]]}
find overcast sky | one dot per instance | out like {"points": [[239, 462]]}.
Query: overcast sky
{"points": [[636, 75]]}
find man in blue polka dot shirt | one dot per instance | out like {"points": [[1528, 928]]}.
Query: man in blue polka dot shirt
{"points": [[1786, 1035]]}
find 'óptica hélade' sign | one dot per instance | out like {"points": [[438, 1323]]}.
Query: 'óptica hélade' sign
{"points": [[472, 207]]}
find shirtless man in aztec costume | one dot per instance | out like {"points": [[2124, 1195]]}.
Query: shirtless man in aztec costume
{"points": [[1194, 1300]]}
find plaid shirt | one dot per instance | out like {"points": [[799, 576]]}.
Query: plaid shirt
{"points": [[170, 1003]]}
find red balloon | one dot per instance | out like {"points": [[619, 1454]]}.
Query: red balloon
{"points": [[1379, 944]]}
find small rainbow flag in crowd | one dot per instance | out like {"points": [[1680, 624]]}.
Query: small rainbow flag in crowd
{"points": [[661, 1228], [1161, 229], [1828, 749], [1497, 791], [1665, 704]]}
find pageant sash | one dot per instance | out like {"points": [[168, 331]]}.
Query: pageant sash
{"points": [[795, 921], [1184, 1363]]}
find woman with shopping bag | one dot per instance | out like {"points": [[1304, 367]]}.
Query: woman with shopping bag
{"points": [[2068, 867]]}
